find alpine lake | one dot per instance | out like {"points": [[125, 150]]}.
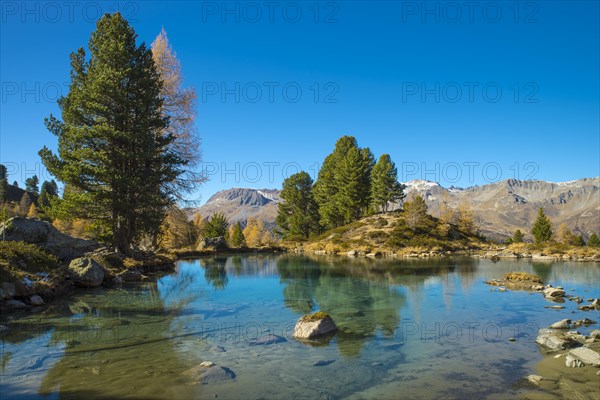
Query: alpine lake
{"points": [[423, 328]]}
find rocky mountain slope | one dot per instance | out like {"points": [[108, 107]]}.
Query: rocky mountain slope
{"points": [[240, 204], [502, 207], [499, 208]]}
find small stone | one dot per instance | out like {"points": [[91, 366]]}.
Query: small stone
{"points": [[558, 356], [36, 300], [572, 362], [554, 292], [323, 363], [562, 324], [512, 339], [535, 379], [207, 364]]}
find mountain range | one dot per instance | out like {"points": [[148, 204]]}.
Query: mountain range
{"points": [[499, 208]]}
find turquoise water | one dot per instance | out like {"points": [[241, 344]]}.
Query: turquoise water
{"points": [[415, 329]]}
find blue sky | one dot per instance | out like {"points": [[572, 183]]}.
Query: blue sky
{"points": [[463, 93]]}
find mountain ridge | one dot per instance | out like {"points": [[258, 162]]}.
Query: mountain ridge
{"points": [[499, 207]]}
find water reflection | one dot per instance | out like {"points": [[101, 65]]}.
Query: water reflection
{"points": [[136, 341]]}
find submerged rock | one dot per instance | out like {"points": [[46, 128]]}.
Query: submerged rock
{"points": [[535, 379], [216, 375], [267, 340], [584, 322], [86, 272], [314, 325]]}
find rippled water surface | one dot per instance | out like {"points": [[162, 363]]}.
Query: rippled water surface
{"points": [[411, 329]]}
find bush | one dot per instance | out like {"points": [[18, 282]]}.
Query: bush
{"points": [[25, 256]]}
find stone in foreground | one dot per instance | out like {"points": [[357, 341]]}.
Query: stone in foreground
{"points": [[562, 324], [586, 356], [86, 272], [312, 326]]}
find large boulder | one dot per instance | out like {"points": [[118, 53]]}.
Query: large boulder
{"points": [[313, 326], [86, 272], [217, 243], [7, 291], [46, 236], [552, 292]]}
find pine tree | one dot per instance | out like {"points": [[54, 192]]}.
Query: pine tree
{"points": [[542, 228], [3, 172], [385, 187], [237, 236], [112, 145], [517, 237], [298, 215], [15, 184], [3, 190], [49, 191], [31, 184], [216, 226], [415, 213], [593, 241]]}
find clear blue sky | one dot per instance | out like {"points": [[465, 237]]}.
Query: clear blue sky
{"points": [[420, 84]]}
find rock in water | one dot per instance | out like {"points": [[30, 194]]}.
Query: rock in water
{"points": [[216, 375], [217, 243], [562, 324], [314, 325], [586, 356], [87, 272], [535, 379], [267, 340], [553, 340], [554, 292]]}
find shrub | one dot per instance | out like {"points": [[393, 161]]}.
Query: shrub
{"points": [[25, 256]]}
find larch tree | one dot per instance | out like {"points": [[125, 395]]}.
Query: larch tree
{"points": [[385, 187], [415, 213], [114, 146], [298, 214], [237, 235], [179, 106]]}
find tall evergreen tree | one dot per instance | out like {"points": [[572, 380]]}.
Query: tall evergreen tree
{"points": [[385, 187], [517, 237], [542, 228], [112, 145], [237, 236], [297, 215], [15, 184], [31, 184], [49, 191], [593, 241], [342, 189], [216, 226], [3, 190]]}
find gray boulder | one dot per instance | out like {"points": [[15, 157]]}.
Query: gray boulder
{"points": [[554, 292], [216, 375], [46, 236], [572, 362], [86, 272], [36, 300], [314, 326], [586, 356], [217, 243], [554, 340], [7, 291]]}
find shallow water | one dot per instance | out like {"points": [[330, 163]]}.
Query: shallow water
{"points": [[416, 329]]}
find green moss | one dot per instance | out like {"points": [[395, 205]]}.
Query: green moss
{"points": [[319, 315]]}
